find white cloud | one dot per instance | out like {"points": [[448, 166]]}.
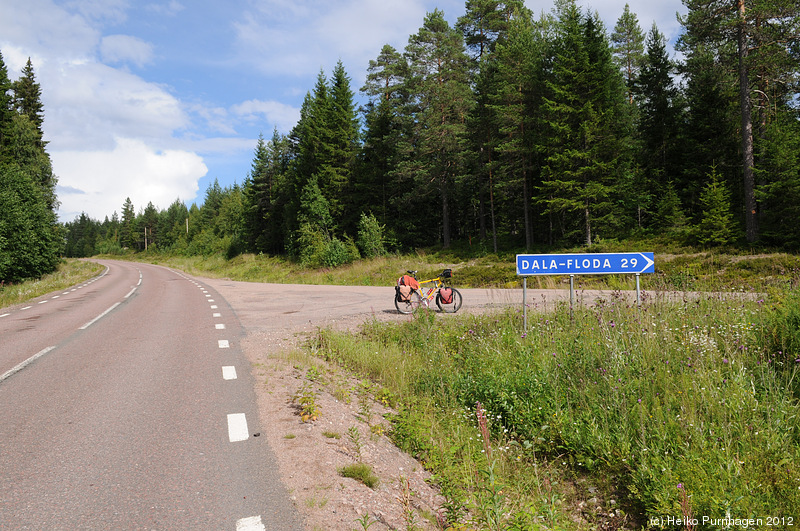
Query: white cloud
{"points": [[280, 115], [302, 36], [108, 11], [42, 29], [171, 9], [98, 182], [90, 104], [124, 48]]}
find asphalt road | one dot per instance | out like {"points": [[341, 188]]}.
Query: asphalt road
{"points": [[127, 403]]}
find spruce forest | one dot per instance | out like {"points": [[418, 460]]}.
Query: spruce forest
{"points": [[513, 131]]}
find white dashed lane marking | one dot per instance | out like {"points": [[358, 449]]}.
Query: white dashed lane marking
{"points": [[252, 523], [25, 363], [93, 321], [237, 422], [237, 427]]}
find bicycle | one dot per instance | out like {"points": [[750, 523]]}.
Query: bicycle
{"points": [[411, 293]]}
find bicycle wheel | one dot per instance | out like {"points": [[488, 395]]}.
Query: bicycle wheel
{"points": [[454, 305], [409, 306]]}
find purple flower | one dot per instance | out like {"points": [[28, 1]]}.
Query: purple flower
{"points": [[725, 360], [680, 485]]}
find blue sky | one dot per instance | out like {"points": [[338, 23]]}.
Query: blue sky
{"points": [[154, 99]]}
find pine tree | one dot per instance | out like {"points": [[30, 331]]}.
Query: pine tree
{"points": [[485, 25], [385, 124], [438, 79], [628, 44], [485, 22], [386, 75]]}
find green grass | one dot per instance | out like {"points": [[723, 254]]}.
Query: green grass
{"points": [[681, 270], [360, 472], [69, 273], [642, 404]]}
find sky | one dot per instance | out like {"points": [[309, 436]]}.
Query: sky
{"points": [[153, 100]]}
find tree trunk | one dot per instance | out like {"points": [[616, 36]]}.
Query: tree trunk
{"points": [[491, 207], [526, 207], [445, 215], [751, 219], [588, 220]]}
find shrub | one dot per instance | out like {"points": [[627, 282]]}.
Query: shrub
{"points": [[336, 253], [371, 236], [716, 226]]}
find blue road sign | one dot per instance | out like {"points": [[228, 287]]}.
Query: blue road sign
{"points": [[585, 264]]}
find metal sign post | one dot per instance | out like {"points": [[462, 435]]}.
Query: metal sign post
{"points": [[581, 264]]}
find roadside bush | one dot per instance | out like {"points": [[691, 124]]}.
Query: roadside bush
{"points": [[370, 237], [338, 253]]}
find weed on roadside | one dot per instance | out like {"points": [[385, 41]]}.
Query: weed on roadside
{"points": [[360, 472], [306, 398]]}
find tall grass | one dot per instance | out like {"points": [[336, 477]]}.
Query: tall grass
{"points": [[653, 402], [69, 273], [705, 271]]}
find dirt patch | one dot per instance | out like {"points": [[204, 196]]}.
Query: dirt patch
{"points": [[310, 454]]}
